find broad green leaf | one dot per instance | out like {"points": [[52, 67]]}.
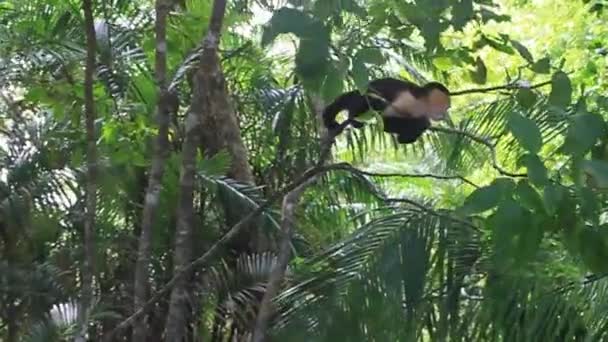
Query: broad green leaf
{"points": [[561, 90], [598, 170], [287, 20], [480, 75], [487, 197], [590, 204], [593, 248], [583, 133], [462, 13], [499, 44], [542, 66], [525, 131], [370, 56], [528, 196], [537, 172], [506, 222], [360, 75], [526, 98], [523, 51], [553, 195], [333, 85], [312, 57]]}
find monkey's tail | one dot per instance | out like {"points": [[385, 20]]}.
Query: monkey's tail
{"points": [[348, 101]]}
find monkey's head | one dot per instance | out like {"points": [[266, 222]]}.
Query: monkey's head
{"points": [[438, 100]]}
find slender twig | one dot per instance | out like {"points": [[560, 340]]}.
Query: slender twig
{"points": [[509, 86], [418, 175]]}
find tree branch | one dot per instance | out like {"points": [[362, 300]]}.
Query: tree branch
{"points": [[418, 175], [510, 86]]}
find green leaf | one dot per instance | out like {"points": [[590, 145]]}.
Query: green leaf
{"points": [[360, 75], [462, 13], [487, 15], [598, 171], [529, 238], [542, 66], [287, 20], [480, 75], [583, 133], [590, 204], [526, 98], [509, 216], [523, 51], [333, 85], [553, 195], [216, 166], [593, 248], [561, 90], [487, 197], [370, 56], [525, 131], [529, 197], [537, 172]]}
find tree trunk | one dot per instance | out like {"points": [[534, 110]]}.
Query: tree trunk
{"points": [[222, 132], [288, 211], [203, 97], [157, 169], [91, 184]]}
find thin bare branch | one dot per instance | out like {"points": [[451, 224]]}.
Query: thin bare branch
{"points": [[509, 86], [418, 175]]}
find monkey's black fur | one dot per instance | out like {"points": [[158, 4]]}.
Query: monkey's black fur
{"points": [[408, 130]]}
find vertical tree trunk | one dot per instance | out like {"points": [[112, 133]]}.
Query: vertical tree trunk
{"points": [[222, 132], [91, 183], [151, 199], [288, 211], [202, 97]]}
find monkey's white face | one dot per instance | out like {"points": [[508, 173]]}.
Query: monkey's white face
{"points": [[438, 105], [434, 106]]}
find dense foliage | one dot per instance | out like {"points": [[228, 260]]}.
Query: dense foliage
{"points": [[493, 226]]}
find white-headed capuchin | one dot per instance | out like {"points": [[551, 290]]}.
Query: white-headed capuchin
{"points": [[406, 108]]}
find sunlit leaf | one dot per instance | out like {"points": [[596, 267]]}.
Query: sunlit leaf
{"points": [[523, 51]]}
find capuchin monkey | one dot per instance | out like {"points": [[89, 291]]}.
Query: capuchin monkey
{"points": [[406, 108]]}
